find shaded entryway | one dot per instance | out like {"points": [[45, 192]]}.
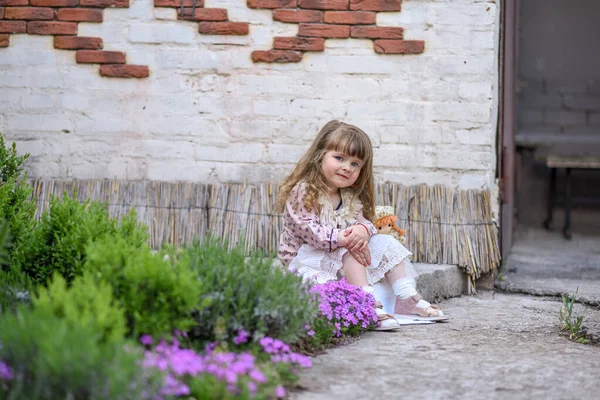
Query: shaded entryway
{"points": [[557, 93]]}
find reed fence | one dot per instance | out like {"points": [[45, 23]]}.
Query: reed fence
{"points": [[444, 225]]}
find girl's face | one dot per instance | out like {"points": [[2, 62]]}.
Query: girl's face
{"points": [[340, 170]]}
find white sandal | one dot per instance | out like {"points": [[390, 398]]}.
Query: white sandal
{"points": [[407, 308], [385, 321]]}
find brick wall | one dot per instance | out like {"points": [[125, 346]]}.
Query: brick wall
{"points": [[60, 19], [209, 112]]}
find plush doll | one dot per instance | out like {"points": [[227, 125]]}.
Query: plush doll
{"points": [[385, 222]]}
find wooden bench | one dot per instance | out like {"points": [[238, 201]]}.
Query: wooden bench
{"points": [[570, 157]]}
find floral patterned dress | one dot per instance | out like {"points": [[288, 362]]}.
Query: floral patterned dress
{"points": [[308, 244]]}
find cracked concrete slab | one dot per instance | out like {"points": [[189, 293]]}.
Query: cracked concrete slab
{"points": [[496, 346]]}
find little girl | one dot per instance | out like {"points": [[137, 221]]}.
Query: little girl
{"points": [[328, 203]]}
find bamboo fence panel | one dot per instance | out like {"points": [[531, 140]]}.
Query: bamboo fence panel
{"points": [[444, 224]]}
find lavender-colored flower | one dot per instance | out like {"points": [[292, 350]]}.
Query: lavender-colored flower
{"points": [[242, 337], [146, 340], [280, 392], [257, 376], [6, 373], [209, 347], [345, 305]]}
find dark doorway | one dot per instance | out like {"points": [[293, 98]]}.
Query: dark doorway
{"points": [[558, 104]]}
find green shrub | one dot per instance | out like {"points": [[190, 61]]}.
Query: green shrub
{"points": [[158, 296], [248, 294], [85, 303], [54, 359], [15, 286], [58, 242], [16, 205]]}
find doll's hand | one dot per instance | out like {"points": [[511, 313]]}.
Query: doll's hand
{"points": [[357, 238]]}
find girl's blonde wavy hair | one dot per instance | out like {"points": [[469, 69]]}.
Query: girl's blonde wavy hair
{"points": [[336, 136]]}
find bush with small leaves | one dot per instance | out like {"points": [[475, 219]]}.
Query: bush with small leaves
{"points": [[58, 241], [16, 205], [158, 296], [248, 294], [51, 358], [86, 302], [15, 287]]}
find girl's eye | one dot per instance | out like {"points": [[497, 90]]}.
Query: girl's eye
{"points": [[339, 158], [355, 164]]}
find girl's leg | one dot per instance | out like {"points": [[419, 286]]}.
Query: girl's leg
{"points": [[403, 284], [355, 273], [408, 301]]}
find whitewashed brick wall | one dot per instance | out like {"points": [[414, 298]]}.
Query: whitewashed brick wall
{"points": [[208, 113]]}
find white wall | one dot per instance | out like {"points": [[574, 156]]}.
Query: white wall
{"points": [[207, 113]]}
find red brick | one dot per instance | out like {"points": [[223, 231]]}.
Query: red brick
{"points": [[299, 43], [376, 32], [271, 4], [13, 26], [99, 57], [375, 5], [1, 12], [298, 16], [223, 28], [177, 3], [77, 42], [203, 14], [385, 46], [14, 2], [51, 28], [324, 4], [324, 31], [79, 15], [55, 3], [29, 13], [104, 3], [350, 17], [124, 71], [4, 40], [277, 56]]}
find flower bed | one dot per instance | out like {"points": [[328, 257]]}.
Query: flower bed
{"points": [[80, 295]]}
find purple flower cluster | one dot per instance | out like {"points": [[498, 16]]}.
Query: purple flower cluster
{"points": [[345, 305], [242, 337], [6, 373], [238, 371], [179, 363], [281, 353]]}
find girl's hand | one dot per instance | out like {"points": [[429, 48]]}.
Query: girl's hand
{"points": [[357, 238], [363, 256]]}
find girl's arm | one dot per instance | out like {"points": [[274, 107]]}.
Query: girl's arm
{"points": [[360, 219], [305, 224]]}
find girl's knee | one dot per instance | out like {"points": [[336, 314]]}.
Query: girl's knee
{"points": [[384, 240]]}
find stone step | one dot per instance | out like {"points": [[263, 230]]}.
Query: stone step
{"points": [[436, 281], [440, 281]]}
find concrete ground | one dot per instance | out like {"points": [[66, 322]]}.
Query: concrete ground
{"points": [[496, 346], [500, 345], [545, 263]]}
